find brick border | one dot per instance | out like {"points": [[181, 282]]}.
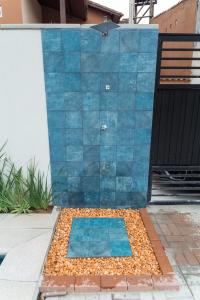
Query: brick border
{"points": [[119, 283]]}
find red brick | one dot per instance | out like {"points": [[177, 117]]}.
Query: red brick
{"points": [[157, 228], [192, 261], [139, 283], [163, 241], [158, 248], [164, 264], [175, 238], [174, 229], [61, 284], [165, 282], [165, 230], [87, 284], [152, 234], [113, 283]]}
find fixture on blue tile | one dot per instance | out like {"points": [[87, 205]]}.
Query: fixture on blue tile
{"points": [[2, 256], [105, 27]]}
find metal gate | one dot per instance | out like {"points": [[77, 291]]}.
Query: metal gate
{"points": [[175, 149]]}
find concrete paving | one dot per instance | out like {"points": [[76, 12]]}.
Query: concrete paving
{"points": [[25, 240], [187, 271]]}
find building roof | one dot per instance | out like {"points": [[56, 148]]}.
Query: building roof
{"points": [[115, 15], [177, 4]]}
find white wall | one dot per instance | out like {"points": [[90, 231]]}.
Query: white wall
{"points": [[23, 117], [31, 11]]}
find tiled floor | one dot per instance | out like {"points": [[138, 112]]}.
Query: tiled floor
{"points": [[179, 229], [98, 237]]}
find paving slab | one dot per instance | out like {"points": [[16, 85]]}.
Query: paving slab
{"points": [[12, 290]]}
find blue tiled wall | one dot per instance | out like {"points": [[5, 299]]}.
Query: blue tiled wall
{"points": [[91, 167]]}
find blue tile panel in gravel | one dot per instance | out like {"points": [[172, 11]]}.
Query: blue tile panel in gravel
{"points": [[98, 237], [93, 81]]}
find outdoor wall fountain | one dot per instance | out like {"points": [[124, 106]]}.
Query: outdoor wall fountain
{"points": [[99, 90]]}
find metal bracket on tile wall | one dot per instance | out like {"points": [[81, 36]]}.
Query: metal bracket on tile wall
{"points": [[105, 27]]}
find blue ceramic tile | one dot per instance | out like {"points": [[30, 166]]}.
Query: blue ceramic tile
{"points": [[110, 80], [91, 101], [108, 168], [51, 39], [90, 41], [59, 184], [148, 40], [102, 250], [78, 249], [110, 43], [126, 119], [58, 169], [141, 153], [128, 62], [92, 199], [108, 153], [74, 137], [91, 168], [124, 168], [146, 62], [142, 136], [141, 184], [124, 153], [120, 248], [91, 153], [74, 168], [57, 137], [53, 62], [91, 136], [107, 199], [126, 101], [74, 184], [72, 82], [55, 101], [109, 118], [73, 101], [123, 199], [143, 119], [90, 62], [75, 199], [109, 62], [127, 82], [57, 153], [54, 83], [125, 137], [109, 101], [56, 119], [108, 137], [107, 184], [74, 153], [90, 184], [71, 40], [124, 184], [72, 62], [73, 119], [145, 82], [141, 168], [144, 101], [90, 82], [91, 119], [129, 40], [139, 200], [60, 199]]}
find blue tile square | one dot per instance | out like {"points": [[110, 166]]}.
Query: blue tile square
{"points": [[91, 101], [142, 136], [100, 237], [145, 82], [139, 200], [92, 199], [60, 199], [141, 153], [109, 101], [124, 184], [58, 169], [107, 184], [72, 62], [75, 199], [90, 41], [91, 119], [74, 184], [73, 119], [56, 119], [125, 137], [123, 199], [129, 40], [108, 153], [146, 62], [111, 81], [143, 119], [126, 119], [148, 40], [110, 43], [57, 137], [74, 168], [109, 118], [54, 83], [71, 40], [72, 82], [124, 153], [74, 153], [141, 168], [126, 101], [91, 136], [91, 153], [108, 137], [141, 184], [90, 184], [53, 62], [90, 62], [74, 137], [108, 168], [128, 82], [110, 62], [124, 168], [51, 39], [91, 168], [55, 101], [107, 199], [73, 101], [57, 153], [144, 101], [59, 184], [90, 82], [128, 62]]}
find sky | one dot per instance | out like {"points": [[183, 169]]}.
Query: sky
{"points": [[123, 5]]}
